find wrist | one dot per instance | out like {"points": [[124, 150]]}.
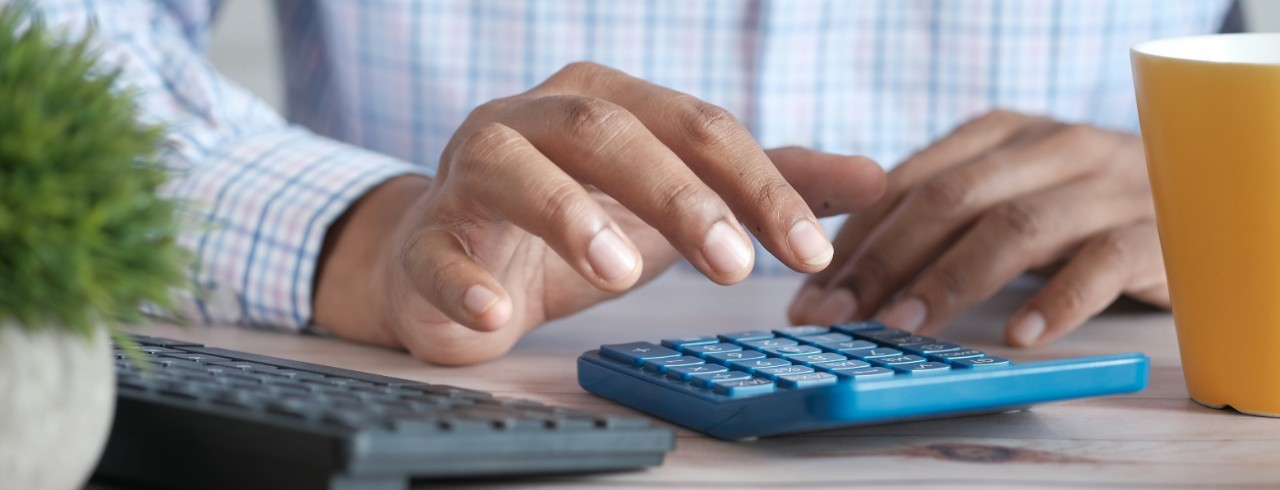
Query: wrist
{"points": [[350, 287]]}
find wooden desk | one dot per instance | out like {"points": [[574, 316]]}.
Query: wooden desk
{"points": [[1154, 439]]}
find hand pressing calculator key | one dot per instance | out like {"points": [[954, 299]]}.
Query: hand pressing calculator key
{"points": [[756, 383]]}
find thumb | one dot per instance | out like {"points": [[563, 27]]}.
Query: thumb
{"points": [[831, 184]]}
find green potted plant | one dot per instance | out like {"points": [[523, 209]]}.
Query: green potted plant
{"points": [[84, 243]]}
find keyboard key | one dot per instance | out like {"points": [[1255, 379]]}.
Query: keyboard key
{"points": [[930, 348], [877, 352], [811, 359], [923, 368], [774, 372], [823, 338], [747, 387], [810, 380], [635, 353], [244, 366], [866, 374], [768, 343], [845, 365], [752, 365], [155, 351], [706, 380], [201, 358], [981, 362], [703, 350], [847, 346], [661, 366], [743, 336], [679, 342], [897, 360], [957, 354], [163, 342], [852, 328], [727, 357], [792, 350], [686, 373], [800, 331], [901, 342]]}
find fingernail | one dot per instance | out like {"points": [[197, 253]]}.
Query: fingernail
{"points": [[725, 249], [1027, 330], [805, 302], [478, 300], [809, 244], [907, 314], [609, 257], [838, 306]]}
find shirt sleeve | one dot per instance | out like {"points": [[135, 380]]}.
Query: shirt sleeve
{"points": [[259, 194]]}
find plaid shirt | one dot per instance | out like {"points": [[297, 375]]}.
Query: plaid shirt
{"points": [[376, 87]]}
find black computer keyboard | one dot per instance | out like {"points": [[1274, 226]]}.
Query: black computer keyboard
{"points": [[216, 418]]}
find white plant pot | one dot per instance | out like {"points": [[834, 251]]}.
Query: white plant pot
{"points": [[57, 398]]}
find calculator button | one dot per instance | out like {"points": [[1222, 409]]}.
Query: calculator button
{"points": [[870, 354], [847, 346], [845, 365], [901, 342], [882, 335], [811, 359], [726, 357], [930, 348], [680, 342], [747, 335], [794, 332], [752, 365], [981, 362], [686, 373], [774, 372], [661, 365], [896, 360], [768, 343], [826, 337], [957, 354], [792, 350], [636, 353], [706, 380], [809, 380], [747, 387], [868, 373], [923, 368], [703, 350], [852, 328]]}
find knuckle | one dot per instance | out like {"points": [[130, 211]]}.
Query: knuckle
{"points": [[562, 205], [576, 73], [773, 194], [591, 119], [1072, 296], [680, 198], [1112, 249], [708, 124], [872, 272], [1019, 218], [1074, 133], [945, 195], [951, 282]]}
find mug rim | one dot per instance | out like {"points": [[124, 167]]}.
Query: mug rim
{"points": [[1216, 48]]}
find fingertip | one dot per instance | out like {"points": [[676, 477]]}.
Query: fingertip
{"points": [[1026, 329], [728, 253], [489, 310]]}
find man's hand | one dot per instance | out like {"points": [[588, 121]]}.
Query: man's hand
{"points": [[556, 199], [1002, 195]]}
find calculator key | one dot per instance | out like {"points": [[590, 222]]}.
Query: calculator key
{"points": [[923, 368], [703, 350], [636, 353], [847, 346], [802, 330], [728, 357], [852, 328], [751, 366], [747, 335], [811, 359], [901, 342], [661, 366], [680, 342], [882, 335], [768, 343], [930, 348], [686, 373], [981, 362], [957, 354], [792, 350], [706, 380], [845, 365], [870, 354], [774, 372], [809, 380], [826, 337], [747, 387], [868, 373], [896, 360]]}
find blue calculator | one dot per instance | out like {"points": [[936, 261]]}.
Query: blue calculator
{"points": [[757, 383]]}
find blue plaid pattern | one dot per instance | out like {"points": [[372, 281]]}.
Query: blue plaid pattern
{"points": [[376, 88]]}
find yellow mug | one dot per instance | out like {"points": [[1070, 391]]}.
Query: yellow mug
{"points": [[1210, 113]]}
